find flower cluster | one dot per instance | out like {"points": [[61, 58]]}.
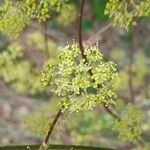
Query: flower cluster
{"points": [[37, 9], [124, 12], [41, 9], [15, 15], [70, 78], [12, 20]]}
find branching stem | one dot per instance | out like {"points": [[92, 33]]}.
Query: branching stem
{"points": [[84, 56], [59, 113]]}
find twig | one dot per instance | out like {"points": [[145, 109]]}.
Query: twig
{"points": [[97, 37], [112, 113], [45, 142], [80, 29], [52, 126], [80, 34], [82, 48], [45, 26], [50, 33]]}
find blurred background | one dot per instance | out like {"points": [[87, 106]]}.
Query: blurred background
{"points": [[23, 99]]}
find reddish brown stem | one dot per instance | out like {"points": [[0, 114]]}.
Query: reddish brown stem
{"points": [[80, 34], [80, 29], [52, 126], [84, 56], [112, 113]]}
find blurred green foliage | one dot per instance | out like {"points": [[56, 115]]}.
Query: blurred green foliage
{"points": [[14, 16], [68, 14], [98, 7], [147, 51], [39, 121], [14, 70], [12, 20], [129, 127], [140, 69], [87, 24], [86, 128]]}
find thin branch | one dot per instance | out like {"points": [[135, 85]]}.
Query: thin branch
{"points": [[52, 126], [80, 34], [49, 133], [45, 26], [80, 30], [97, 37], [50, 33], [112, 113], [82, 48]]}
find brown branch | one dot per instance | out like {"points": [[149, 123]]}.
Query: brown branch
{"points": [[80, 34], [80, 30], [52, 126], [112, 113], [82, 48], [49, 133]]}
